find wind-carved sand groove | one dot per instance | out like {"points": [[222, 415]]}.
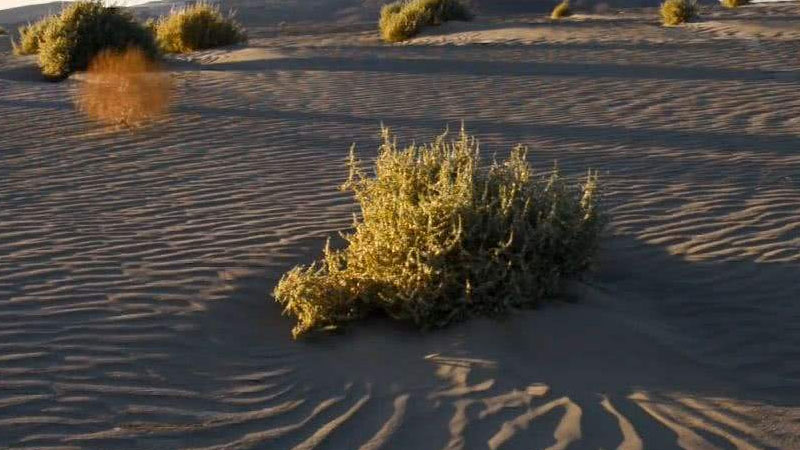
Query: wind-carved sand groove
{"points": [[135, 267]]}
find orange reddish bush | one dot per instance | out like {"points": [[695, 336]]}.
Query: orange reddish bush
{"points": [[124, 88]]}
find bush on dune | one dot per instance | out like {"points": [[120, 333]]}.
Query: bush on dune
{"points": [[441, 238], [124, 88], [69, 41], [197, 27], [734, 3], [405, 18], [30, 36], [561, 10], [676, 12]]}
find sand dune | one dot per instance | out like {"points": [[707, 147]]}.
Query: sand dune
{"points": [[135, 267]]}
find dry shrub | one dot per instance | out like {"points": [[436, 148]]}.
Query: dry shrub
{"points": [[2, 31], [67, 42], [561, 10], [30, 36], [405, 18], [676, 12], [441, 238], [197, 27], [734, 3], [124, 88]]}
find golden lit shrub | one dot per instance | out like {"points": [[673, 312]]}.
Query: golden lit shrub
{"points": [[30, 36], [124, 88], [405, 18], [734, 3], [73, 38], [197, 27], [441, 238], [676, 12], [561, 10]]}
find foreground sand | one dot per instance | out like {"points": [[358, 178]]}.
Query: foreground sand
{"points": [[135, 267]]}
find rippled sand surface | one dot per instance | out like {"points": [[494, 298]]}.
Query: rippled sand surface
{"points": [[135, 267]]}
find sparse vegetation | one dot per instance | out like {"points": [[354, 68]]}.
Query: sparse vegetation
{"points": [[69, 41], [561, 10], [2, 31], [197, 27], [441, 238], [124, 88], [734, 3], [30, 36], [403, 19], [676, 12]]}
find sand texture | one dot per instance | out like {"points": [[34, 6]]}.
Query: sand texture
{"points": [[135, 267]]}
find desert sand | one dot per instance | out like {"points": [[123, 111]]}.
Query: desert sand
{"points": [[136, 266]]}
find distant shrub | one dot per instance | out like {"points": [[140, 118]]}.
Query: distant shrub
{"points": [[561, 10], [441, 238], [124, 88], [30, 36], [68, 42], [676, 12], [405, 18], [734, 3], [2, 31], [197, 27]]}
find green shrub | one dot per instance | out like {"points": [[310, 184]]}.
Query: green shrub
{"points": [[734, 3], [197, 27], [30, 36], [676, 12], [403, 19], [440, 239], [561, 10], [68, 42]]}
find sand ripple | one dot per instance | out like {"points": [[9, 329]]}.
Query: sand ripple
{"points": [[135, 267]]}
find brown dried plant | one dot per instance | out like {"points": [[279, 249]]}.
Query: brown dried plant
{"points": [[441, 238], [732, 4], [125, 88], [197, 27], [676, 12], [561, 10], [403, 19]]}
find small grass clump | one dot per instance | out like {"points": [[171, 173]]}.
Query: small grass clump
{"points": [[124, 88], [734, 3], [676, 12], [69, 41], [30, 36], [441, 238], [561, 10], [197, 27], [403, 19]]}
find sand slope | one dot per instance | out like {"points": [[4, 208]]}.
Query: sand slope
{"points": [[135, 267]]}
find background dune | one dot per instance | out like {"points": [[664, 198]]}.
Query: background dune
{"points": [[135, 267]]}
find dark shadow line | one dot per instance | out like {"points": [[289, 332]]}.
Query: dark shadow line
{"points": [[503, 68], [607, 134], [37, 104], [703, 141]]}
